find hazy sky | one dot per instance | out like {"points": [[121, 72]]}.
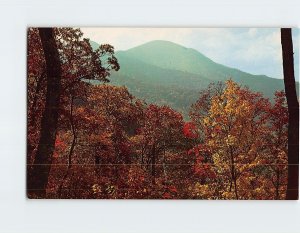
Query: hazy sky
{"points": [[254, 50]]}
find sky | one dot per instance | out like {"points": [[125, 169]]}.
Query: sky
{"points": [[253, 50]]}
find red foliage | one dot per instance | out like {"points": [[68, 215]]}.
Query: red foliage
{"points": [[197, 149], [190, 130], [173, 189], [167, 196], [204, 170], [60, 146]]}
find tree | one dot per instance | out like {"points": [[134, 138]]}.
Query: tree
{"points": [[293, 109], [162, 130], [234, 124], [78, 63], [38, 175], [103, 123], [277, 140], [122, 113]]}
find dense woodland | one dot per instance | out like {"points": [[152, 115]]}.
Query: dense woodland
{"points": [[88, 140]]}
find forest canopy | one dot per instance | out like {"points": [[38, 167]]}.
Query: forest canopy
{"points": [[110, 144]]}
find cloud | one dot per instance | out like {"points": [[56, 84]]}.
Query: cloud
{"points": [[254, 50]]}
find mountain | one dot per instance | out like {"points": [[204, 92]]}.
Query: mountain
{"points": [[163, 72]]}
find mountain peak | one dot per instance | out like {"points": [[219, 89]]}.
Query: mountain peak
{"points": [[158, 44], [169, 55]]}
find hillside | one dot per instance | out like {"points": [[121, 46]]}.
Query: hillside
{"points": [[167, 73], [176, 57]]}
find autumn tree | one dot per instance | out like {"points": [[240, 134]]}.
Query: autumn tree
{"points": [[200, 109], [277, 139], [161, 131], [122, 112], [122, 115], [78, 63], [38, 176], [104, 123], [234, 126], [293, 109]]}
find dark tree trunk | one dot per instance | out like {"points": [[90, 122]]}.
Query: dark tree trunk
{"points": [[35, 98], [293, 109], [39, 171]]}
